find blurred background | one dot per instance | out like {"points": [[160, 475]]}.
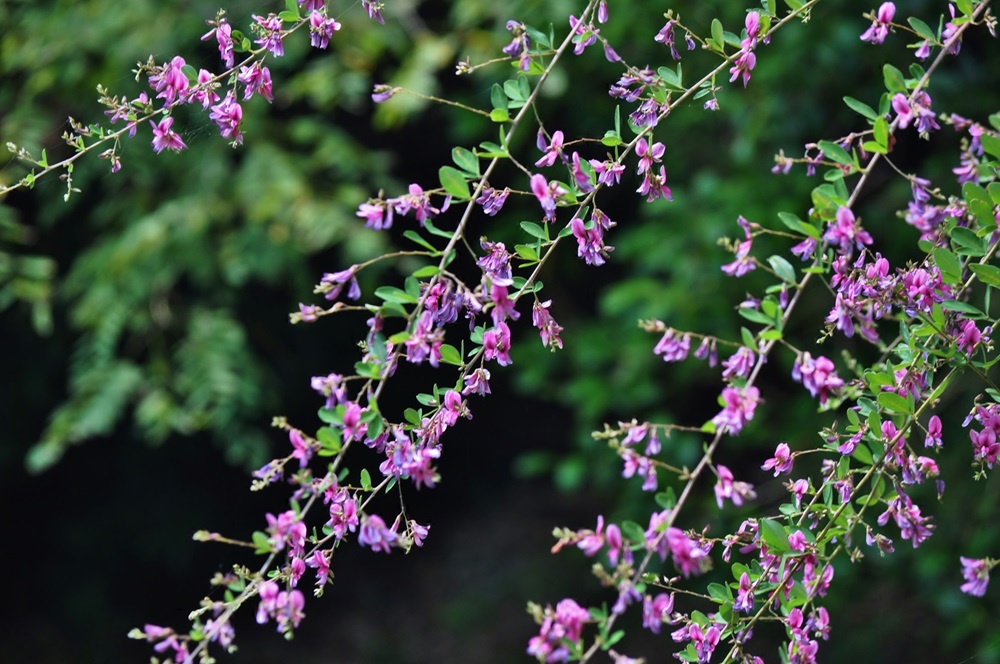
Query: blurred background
{"points": [[146, 342]]}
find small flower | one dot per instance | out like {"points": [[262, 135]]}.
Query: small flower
{"points": [[933, 432], [781, 462], [496, 344], [165, 138], [879, 29], [548, 329], [977, 575], [228, 115]]}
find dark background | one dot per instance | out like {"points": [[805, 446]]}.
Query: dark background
{"points": [[146, 344]]}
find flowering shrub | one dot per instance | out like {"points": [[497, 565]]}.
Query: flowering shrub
{"points": [[912, 327]]}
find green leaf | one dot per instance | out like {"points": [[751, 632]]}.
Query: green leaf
{"points": [[534, 230], [991, 144], [782, 268], [988, 274], [415, 237], [526, 251], [393, 294], [967, 242], [262, 542], [963, 307], [466, 160], [426, 271], [794, 4], [666, 499], [792, 222], [895, 403], [894, 80], [881, 132], [412, 416], [836, 153], [498, 99], [922, 29], [756, 316], [492, 151], [633, 531], [290, 16], [950, 266], [453, 181], [499, 115], [717, 31], [450, 355], [366, 480], [774, 535], [861, 108]]}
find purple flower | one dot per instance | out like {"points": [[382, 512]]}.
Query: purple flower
{"points": [[846, 232], [477, 382], [376, 213], [546, 193], [819, 376], [673, 346], [256, 80], [375, 534], [204, 92], [321, 29], [950, 29], [739, 405], [224, 36], [656, 611], [492, 200], [933, 432], [228, 115], [666, 37], [170, 81], [165, 138], [969, 337], [739, 365], [654, 186], [744, 596], [300, 448], [584, 34], [520, 46], [496, 263], [552, 151], [609, 173], [319, 562], [374, 10], [781, 462], [879, 29], [548, 329], [727, 488], [743, 263], [590, 241], [271, 34], [496, 344], [977, 575]]}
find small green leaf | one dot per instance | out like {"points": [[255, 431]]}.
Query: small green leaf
{"points": [[794, 223], [262, 542], [453, 181], [782, 268], [450, 355], [366, 480], [666, 499], [717, 31], [412, 416], [836, 153], [948, 263], [991, 144], [893, 402], [633, 531], [774, 535], [756, 316], [922, 29], [894, 81], [861, 108], [498, 98], [526, 251], [426, 271], [611, 139], [415, 237], [963, 307], [290, 16], [499, 115], [466, 160], [534, 230], [881, 132], [393, 294], [967, 242], [988, 274]]}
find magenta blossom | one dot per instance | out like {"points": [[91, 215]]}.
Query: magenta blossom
{"points": [[165, 138], [781, 462], [879, 29], [977, 575]]}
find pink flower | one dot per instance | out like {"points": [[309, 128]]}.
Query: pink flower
{"points": [[781, 462], [165, 138], [977, 575], [879, 29]]}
